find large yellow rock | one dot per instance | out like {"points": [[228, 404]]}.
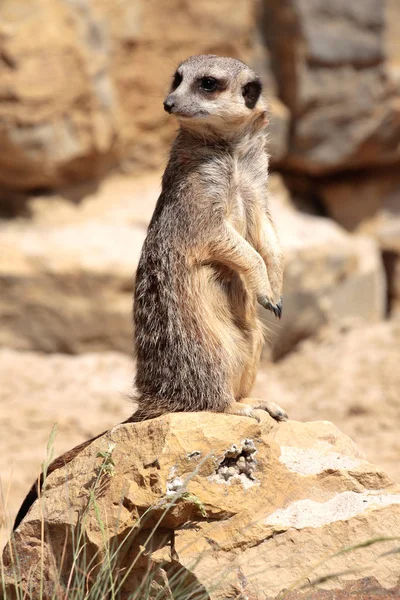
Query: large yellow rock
{"points": [[217, 504]]}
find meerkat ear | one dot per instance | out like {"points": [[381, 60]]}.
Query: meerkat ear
{"points": [[251, 92]]}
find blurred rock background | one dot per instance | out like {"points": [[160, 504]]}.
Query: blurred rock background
{"points": [[83, 140]]}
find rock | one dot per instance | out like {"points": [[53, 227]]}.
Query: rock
{"points": [[330, 66], [371, 205], [58, 111], [67, 271], [393, 40], [87, 92], [350, 376], [214, 504], [330, 276], [358, 201], [279, 114], [278, 130]]}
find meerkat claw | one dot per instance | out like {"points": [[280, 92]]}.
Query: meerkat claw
{"points": [[274, 308], [279, 308], [281, 415]]}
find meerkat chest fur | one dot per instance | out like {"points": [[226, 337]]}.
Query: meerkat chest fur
{"points": [[239, 179]]}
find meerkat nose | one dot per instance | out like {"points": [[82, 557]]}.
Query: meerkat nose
{"points": [[168, 105]]}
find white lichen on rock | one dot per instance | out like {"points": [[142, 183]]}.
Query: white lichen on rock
{"points": [[238, 464], [341, 507], [312, 461]]}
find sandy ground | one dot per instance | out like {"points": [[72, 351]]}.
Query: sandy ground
{"points": [[351, 378], [83, 395]]}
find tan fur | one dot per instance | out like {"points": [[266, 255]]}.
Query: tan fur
{"points": [[211, 253]]}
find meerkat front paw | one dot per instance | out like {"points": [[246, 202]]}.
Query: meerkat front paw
{"points": [[274, 308]]}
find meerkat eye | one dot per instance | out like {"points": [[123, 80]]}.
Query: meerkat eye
{"points": [[177, 80], [251, 92], [209, 84]]}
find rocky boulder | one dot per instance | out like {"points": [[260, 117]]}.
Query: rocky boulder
{"points": [[370, 204], [349, 376], [58, 111], [86, 94], [212, 506], [329, 60]]}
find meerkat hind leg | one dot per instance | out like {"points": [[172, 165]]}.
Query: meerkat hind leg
{"points": [[241, 410], [247, 407], [272, 408]]}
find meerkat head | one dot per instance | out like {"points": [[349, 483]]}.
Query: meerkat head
{"points": [[217, 91]]}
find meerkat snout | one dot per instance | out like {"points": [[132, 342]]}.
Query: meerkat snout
{"points": [[215, 90], [168, 105]]}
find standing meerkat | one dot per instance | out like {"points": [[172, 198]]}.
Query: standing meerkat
{"points": [[210, 256], [211, 253]]}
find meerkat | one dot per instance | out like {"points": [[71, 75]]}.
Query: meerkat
{"points": [[211, 253], [210, 256]]}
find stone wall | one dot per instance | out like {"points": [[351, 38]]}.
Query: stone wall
{"points": [[85, 96], [86, 93]]}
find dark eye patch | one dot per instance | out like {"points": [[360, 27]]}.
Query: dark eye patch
{"points": [[251, 92], [209, 84], [177, 80]]}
